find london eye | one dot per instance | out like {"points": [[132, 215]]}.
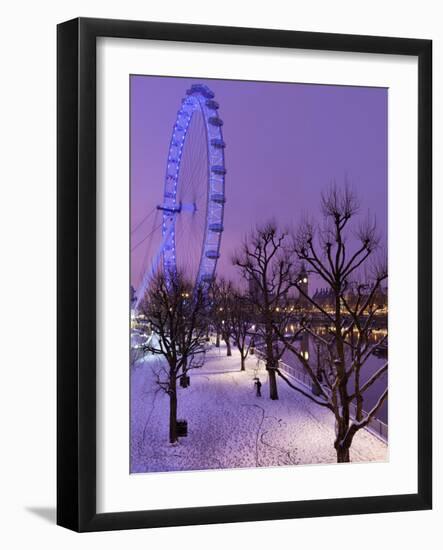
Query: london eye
{"points": [[192, 208]]}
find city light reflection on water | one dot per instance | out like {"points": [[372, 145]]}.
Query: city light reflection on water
{"points": [[308, 347]]}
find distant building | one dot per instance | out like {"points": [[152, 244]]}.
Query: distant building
{"points": [[381, 298], [325, 298]]}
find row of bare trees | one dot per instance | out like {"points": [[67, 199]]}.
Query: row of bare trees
{"points": [[340, 253], [230, 316], [180, 318]]}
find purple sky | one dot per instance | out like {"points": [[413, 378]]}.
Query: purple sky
{"points": [[284, 144]]}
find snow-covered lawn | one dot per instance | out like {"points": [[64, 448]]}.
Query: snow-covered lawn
{"points": [[228, 426]]}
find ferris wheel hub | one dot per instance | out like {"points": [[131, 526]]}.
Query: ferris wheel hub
{"points": [[181, 207], [172, 209]]}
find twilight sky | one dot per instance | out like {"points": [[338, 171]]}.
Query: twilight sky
{"points": [[285, 143]]}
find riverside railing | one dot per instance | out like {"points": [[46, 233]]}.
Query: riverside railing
{"points": [[376, 426]]}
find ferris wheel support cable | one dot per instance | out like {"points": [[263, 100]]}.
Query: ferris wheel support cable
{"points": [[143, 265], [149, 274], [147, 236], [143, 220]]}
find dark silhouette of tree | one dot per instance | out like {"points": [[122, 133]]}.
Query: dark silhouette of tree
{"points": [[268, 268], [178, 317], [240, 315], [346, 342], [221, 298]]}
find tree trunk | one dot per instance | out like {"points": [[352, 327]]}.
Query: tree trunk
{"points": [[273, 392], [341, 446], [242, 362], [173, 410], [342, 453], [342, 441], [228, 347], [217, 340], [270, 362]]}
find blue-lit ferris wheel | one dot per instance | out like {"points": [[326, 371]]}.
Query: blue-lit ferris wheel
{"points": [[194, 192]]}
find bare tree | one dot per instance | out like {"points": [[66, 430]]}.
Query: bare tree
{"points": [[348, 318], [178, 317], [222, 296], [240, 315], [267, 266]]}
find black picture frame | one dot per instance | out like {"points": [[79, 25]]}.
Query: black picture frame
{"points": [[76, 266]]}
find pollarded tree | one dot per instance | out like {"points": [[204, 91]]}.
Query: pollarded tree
{"points": [[268, 269], [221, 302], [339, 254], [178, 317], [240, 314]]}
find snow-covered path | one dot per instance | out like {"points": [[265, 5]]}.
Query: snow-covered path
{"points": [[228, 426]]}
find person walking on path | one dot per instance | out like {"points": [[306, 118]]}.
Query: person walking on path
{"points": [[257, 385]]}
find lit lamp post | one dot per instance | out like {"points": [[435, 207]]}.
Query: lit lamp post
{"points": [[252, 349], [304, 287]]}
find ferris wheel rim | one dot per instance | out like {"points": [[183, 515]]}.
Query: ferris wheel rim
{"points": [[199, 99]]}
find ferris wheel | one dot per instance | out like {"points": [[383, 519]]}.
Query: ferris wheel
{"points": [[194, 192]]}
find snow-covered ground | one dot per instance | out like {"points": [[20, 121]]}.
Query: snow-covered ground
{"points": [[228, 426]]}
